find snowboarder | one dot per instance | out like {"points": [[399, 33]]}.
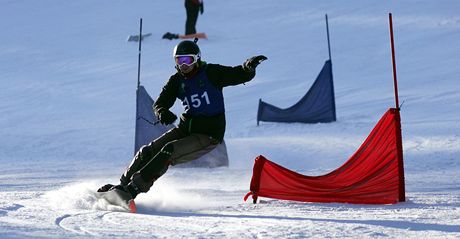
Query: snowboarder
{"points": [[202, 124], [192, 7]]}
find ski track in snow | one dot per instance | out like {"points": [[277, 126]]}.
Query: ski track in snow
{"points": [[215, 222], [231, 217], [249, 221]]}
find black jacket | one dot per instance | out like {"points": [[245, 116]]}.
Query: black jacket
{"points": [[220, 76]]}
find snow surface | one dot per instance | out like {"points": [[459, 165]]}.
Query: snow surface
{"points": [[67, 104]]}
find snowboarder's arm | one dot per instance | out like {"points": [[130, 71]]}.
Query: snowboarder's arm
{"points": [[222, 76], [167, 96]]}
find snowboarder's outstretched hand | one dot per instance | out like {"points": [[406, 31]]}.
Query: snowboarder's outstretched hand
{"points": [[167, 117], [251, 63]]}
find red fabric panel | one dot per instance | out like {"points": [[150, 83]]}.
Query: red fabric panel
{"points": [[373, 175]]}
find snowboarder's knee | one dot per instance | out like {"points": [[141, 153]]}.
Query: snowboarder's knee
{"points": [[145, 152], [168, 149]]}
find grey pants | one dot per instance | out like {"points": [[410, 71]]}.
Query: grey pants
{"points": [[173, 147]]}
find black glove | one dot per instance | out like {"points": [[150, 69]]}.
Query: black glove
{"points": [[167, 117], [201, 8], [251, 63]]}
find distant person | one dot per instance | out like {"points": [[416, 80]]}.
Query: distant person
{"points": [[202, 124], [192, 7]]}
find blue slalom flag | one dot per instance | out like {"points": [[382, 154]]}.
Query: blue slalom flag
{"points": [[316, 106]]}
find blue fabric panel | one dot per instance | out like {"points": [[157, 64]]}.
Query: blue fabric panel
{"points": [[317, 105], [146, 131]]}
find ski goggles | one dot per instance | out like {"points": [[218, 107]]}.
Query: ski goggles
{"points": [[186, 59]]}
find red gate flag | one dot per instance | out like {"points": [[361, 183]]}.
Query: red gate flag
{"points": [[373, 175]]}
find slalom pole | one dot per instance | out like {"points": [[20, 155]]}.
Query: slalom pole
{"points": [[330, 59], [328, 41], [139, 58], [402, 187], [394, 61], [138, 83], [139, 71]]}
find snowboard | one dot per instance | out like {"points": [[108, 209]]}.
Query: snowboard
{"points": [[119, 198], [193, 36], [135, 38]]}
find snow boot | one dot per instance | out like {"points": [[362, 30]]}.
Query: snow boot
{"points": [[122, 196], [105, 188]]}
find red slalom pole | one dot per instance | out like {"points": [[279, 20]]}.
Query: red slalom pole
{"points": [[402, 187], [394, 61]]}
